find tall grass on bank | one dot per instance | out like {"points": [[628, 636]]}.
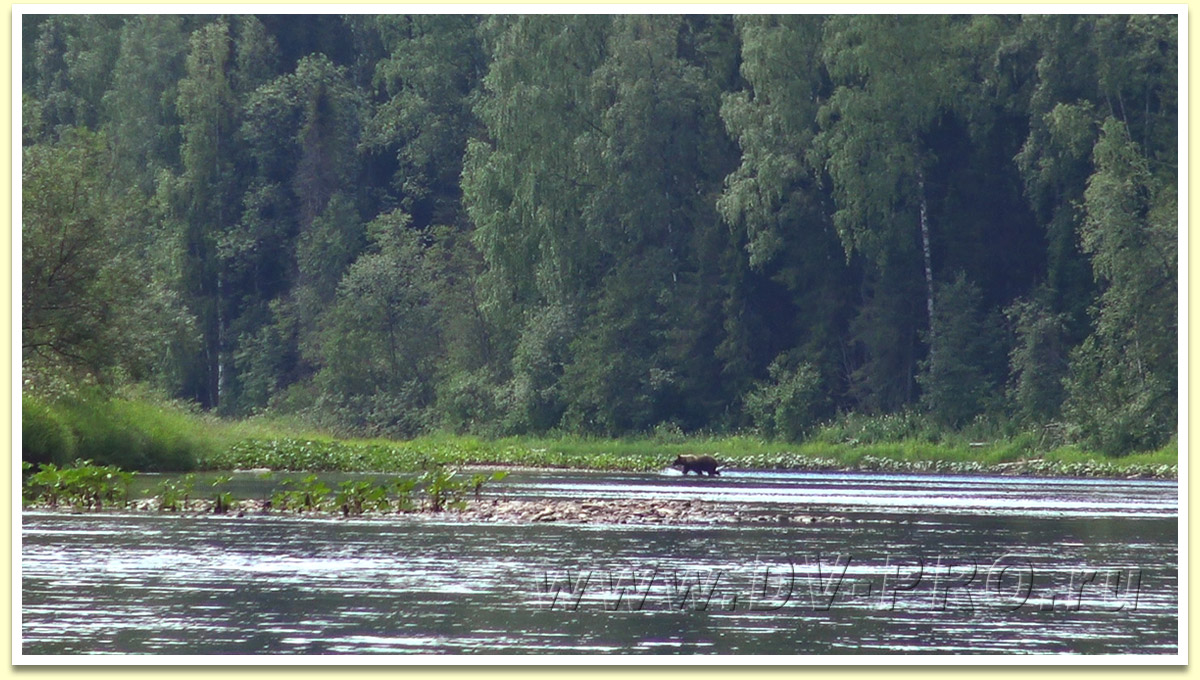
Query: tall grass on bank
{"points": [[130, 433], [45, 435], [134, 429]]}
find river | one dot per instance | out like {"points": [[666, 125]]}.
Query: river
{"points": [[892, 564]]}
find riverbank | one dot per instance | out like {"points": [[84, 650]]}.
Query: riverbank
{"points": [[906, 457], [136, 433]]}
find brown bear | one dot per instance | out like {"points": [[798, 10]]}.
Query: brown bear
{"points": [[698, 463]]}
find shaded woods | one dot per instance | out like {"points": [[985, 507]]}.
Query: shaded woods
{"points": [[610, 225]]}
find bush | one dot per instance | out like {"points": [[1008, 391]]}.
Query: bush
{"points": [[1114, 408], [1038, 360], [668, 432], [534, 398], [788, 405], [401, 413], [859, 428], [466, 402], [958, 379]]}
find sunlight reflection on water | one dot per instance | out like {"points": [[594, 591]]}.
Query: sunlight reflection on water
{"points": [[927, 564]]}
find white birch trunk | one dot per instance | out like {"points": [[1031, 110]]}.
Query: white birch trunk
{"points": [[925, 247]]}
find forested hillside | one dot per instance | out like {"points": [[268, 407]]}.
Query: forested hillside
{"points": [[609, 225]]}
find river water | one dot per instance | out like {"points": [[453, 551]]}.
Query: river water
{"points": [[893, 564]]}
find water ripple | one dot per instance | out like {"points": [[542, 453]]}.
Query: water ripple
{"points": [[932, 565]]}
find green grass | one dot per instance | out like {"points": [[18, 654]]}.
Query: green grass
{"points": [[136, 431], [128, 433], [324, 454], [45, 435]]}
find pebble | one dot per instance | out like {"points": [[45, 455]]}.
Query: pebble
{"points": [[581, 511]]}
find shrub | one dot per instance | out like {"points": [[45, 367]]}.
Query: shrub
{"points": [[789, 404], [862, 429], [1038, 360], [1114, 408], [958, 379], [466, 402]]}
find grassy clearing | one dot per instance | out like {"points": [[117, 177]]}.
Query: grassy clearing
{"points": [[135, 432]]}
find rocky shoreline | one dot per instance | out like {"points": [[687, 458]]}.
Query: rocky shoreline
{"points": [[514, 511], [600, 511]]}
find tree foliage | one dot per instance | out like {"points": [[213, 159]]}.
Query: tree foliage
{"points": [[610, 224], [1123, 389], [92, 302]]}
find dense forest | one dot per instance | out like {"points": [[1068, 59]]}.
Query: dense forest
{"points": [[609, 225]]}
